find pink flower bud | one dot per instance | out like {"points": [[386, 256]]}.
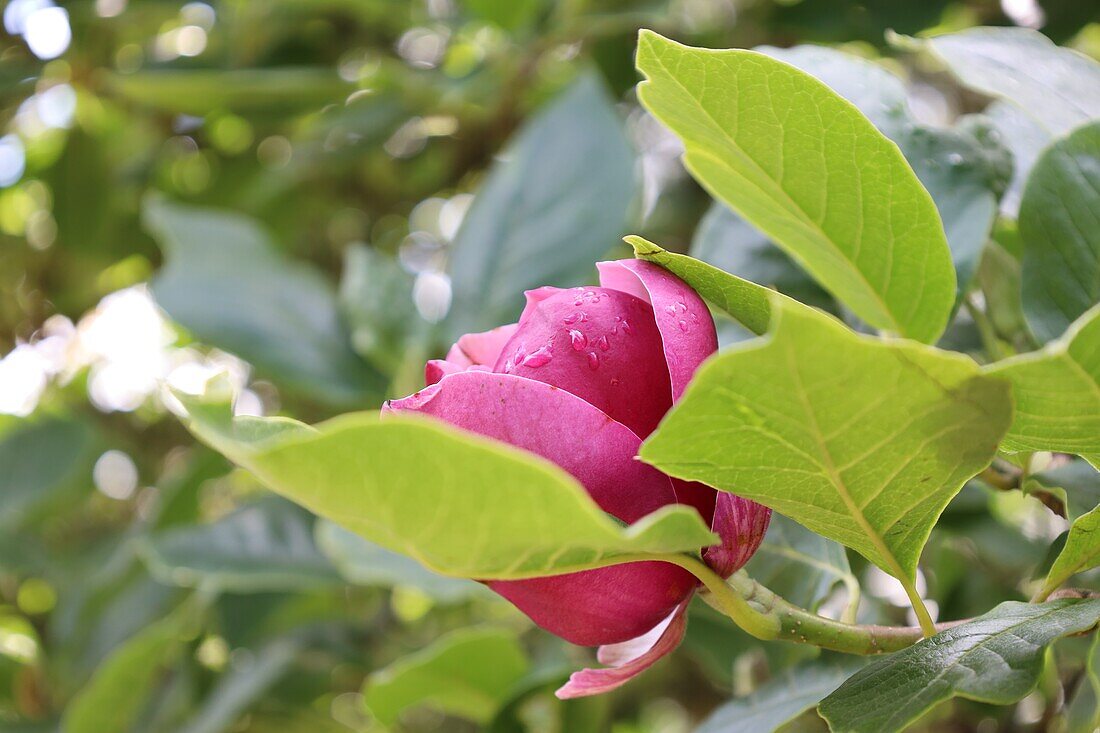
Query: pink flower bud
{"points": [[583, 378]]}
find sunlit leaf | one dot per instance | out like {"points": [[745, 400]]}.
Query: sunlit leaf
{"points": [[553, 205], [460, 504], [1057, 393], [467, 673], [1060, 234], [995, 658], [964, 167], [805, 167], [861, 440]]}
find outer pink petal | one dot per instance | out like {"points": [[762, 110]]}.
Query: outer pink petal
{"points": [[597, 606], [686, 327], [601, 345], [481, 349], [628, 659], [742, 525], [559, 426]]}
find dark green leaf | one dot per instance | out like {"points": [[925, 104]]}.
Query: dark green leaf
{"points": [[226, 284], [467, 673], [41, 463], [264, 546], [995, 658], [554, 204], [1076, 483]]}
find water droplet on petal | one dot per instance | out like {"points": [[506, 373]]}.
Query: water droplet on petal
{"points": [[603, 343], [627, 328], [572, 318], [593, 360], [577, 339], [538, 358], [683, 326], [671, 309]]}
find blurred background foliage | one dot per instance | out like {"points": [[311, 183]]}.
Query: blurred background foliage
{"points": [[314, 196]]}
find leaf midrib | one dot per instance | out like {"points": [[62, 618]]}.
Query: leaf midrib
{"points": [[802, 215], [834, 477]]}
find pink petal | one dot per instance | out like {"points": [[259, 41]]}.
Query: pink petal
{"points": [[601, 345], [595, 606], [742, 525], [481, 348], [559, 426], [436, 369], [629, 659], [686, 327]]}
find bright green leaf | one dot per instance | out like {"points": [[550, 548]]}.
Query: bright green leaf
{"points": [[1057, 393], [264, 546], [964, 167], [365, 563], [460, 504], [467, 673], [554, 204], [781, 699], [995, 658], [805, 167], [1081, 552], [1060, 233], [1058, 87], [226, 284], [862, 440], [750, 304]]}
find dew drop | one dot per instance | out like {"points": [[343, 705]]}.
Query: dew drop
{"points": [[577, 339], [572, 318], [627, 329], [603, 343], [683, 326], [593, 360], [670, 309], [538, 358]]}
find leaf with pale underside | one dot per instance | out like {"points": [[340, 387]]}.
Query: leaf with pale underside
{"points": [[781, 699], [1058, 87], [802, 164], [1081, 552], [1057, 393], [460, 504], [860, 439], [1060, 234], [995, 658]]}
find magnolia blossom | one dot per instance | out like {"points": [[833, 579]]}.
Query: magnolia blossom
{"points": [[583, 378]]}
